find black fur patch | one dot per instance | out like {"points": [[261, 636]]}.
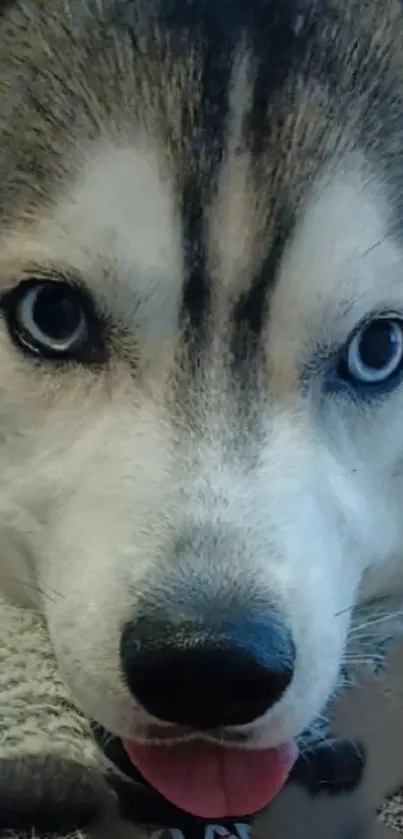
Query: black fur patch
{"points": [[49, 793], [5, 5], [332, 768], [250, 310]]}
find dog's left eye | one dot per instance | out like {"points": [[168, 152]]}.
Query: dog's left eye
{"points": [[375, 352], [54, 320]]}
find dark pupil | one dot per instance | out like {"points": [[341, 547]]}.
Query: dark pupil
{"points": [[378, 344], [56, 313]]}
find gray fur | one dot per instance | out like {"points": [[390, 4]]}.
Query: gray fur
{"points": [[224, 181]]}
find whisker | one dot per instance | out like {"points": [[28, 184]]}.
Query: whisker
{"points": [[50, 594], [358, 656], [375, 621], [342, 612]]}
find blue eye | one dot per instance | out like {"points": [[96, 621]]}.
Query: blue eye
{"points": [[375, 352]]}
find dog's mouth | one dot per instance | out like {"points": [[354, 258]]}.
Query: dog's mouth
{"points": [[208, 779], [213, 780]]}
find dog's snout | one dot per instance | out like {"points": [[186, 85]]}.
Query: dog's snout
{"points": [[182, 673]]}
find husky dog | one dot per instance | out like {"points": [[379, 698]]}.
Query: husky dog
{"points": [[201, 363]]}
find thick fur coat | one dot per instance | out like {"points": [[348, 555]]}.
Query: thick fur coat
{"points": [[201, 362]]}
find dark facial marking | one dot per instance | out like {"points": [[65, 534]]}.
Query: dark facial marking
{"points": [[249, 312], [213, 28], [217, 30], [281, 32]]}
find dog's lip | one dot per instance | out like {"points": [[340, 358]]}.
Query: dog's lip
{"points": [[165, 733], [175, 733]]}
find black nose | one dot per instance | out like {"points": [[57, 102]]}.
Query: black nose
{"points": [[182, 673]]}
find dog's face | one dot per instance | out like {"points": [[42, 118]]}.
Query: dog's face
{"points": [[201, 344]]}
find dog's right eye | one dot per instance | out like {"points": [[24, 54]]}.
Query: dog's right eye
{"points": [[374, 354], [54, 320]]}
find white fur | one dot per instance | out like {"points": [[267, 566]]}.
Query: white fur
{"points": [[98, 483]]}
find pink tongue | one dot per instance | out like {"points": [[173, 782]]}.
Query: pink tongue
{"points": [[211, 781]]}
